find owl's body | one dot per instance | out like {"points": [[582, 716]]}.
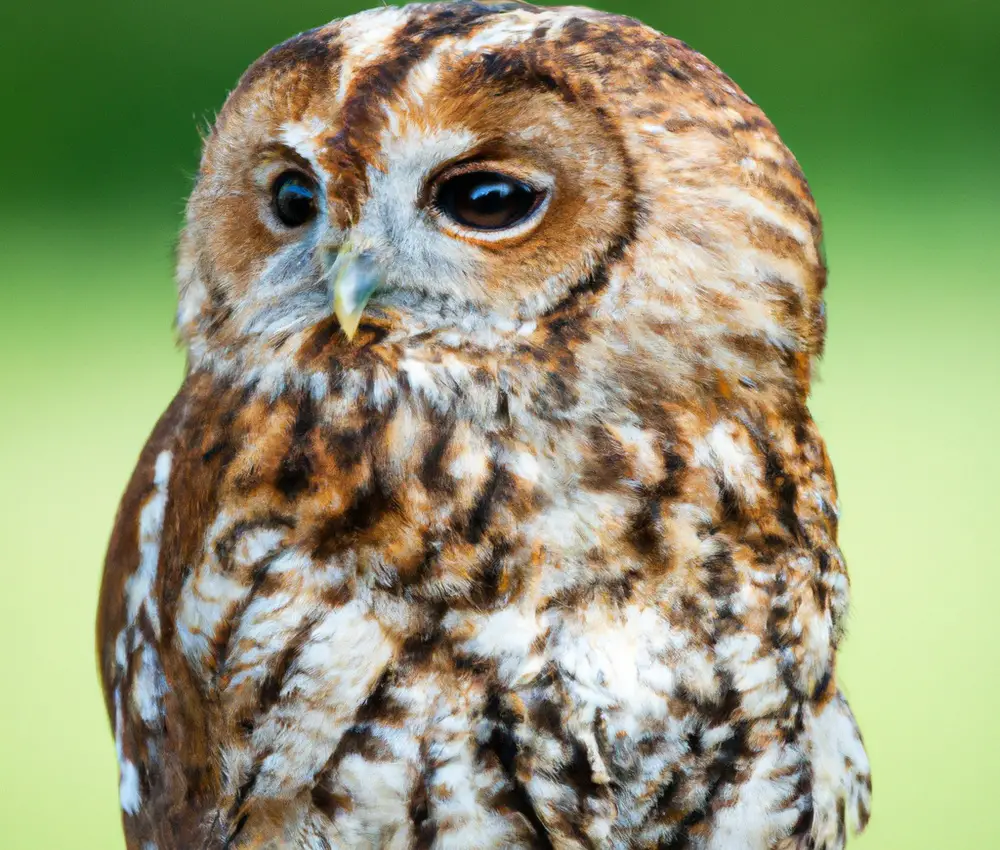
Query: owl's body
{"points": [[545, 556]]}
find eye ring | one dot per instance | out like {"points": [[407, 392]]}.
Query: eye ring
{"points": [[293, 198], [486, 201]]}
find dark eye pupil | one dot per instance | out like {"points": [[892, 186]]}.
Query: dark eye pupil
{"points": [[294, 199], [484, 200]]}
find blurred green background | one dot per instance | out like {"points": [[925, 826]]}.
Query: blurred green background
{"points": [[894, 112]]}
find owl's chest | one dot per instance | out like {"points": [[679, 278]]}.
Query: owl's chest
{"points": [[460, 513], [418, 585], [411, 509], [536, 547]]}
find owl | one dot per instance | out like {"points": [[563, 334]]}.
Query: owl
{"points": [[490, 512]]}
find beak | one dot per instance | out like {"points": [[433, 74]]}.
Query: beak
{"points": [[354, 278]]}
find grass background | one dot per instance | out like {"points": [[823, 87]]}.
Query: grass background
{"points": [[893, 110]]}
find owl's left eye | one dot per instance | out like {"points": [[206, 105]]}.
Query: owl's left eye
{"points": [[294, 198], [487, 200]]}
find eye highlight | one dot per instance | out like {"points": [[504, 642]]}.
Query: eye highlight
{"points": [[486, 200], [293, 197]]}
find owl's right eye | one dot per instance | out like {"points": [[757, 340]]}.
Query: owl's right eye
{"points": [[293, 197]]}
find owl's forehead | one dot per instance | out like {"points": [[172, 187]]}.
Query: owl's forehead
{"points": [[390, 43], [390, 52], [358, 75]]}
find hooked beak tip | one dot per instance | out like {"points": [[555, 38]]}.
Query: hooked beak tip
{"points": [[355, 280], [349, 322]]}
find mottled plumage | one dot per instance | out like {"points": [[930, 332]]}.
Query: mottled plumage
{"points": [[545, 556]]}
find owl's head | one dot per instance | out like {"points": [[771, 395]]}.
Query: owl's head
{"points": [[478, 178]]}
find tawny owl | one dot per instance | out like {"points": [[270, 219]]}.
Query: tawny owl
{"points": [[490, 513]]}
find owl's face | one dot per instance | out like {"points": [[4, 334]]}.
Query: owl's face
{"points": [[459, 175]]}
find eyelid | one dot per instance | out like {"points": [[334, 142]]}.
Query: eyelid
{"points": [[538, 181], [274, 160]]}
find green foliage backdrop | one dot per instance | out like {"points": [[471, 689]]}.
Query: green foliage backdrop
{"points": [[893, 110]]}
